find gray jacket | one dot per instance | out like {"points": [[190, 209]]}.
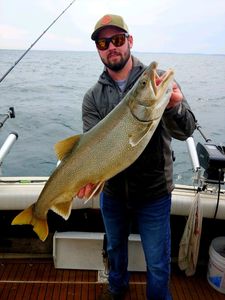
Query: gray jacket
{"points": [[151, 175]]}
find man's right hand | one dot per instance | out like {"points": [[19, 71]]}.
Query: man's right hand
{"points": [[86, 191]]}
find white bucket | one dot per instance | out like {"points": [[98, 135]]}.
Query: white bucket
{"points": [[216, 266]]}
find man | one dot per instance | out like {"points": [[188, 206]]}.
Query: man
{"points": [[144, 189]]}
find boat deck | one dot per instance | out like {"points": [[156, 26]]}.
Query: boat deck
{"points": [[37, 279]]}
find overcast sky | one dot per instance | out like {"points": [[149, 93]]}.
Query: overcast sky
{"points": [[180, 26]]}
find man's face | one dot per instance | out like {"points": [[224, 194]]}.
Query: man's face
{"points": [[115, 58]]}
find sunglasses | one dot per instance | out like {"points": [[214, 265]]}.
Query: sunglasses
{"points": [[117, 40]]}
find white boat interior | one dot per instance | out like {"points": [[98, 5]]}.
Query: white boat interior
{"points": [[17, 193]]}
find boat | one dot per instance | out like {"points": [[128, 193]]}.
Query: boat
{"points": [[70, 264]]}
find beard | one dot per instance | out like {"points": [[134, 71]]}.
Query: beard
{"points": [[118, 64]]}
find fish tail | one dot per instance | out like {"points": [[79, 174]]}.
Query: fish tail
{"points": [[27, 216]]}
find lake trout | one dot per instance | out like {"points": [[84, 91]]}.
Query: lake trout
{"points": [[102, 152]]}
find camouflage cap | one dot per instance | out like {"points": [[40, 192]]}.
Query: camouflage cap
{"points": [[109, 20]]}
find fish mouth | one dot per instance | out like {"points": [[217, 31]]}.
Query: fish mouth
{"points": [[160, 83]]}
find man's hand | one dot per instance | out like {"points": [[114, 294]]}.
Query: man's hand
{"points": [[90, 190], [86, 191], [176, 96]]}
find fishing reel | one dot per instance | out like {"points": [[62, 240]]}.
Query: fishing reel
{"points": [[209, 157], [212, 160]]}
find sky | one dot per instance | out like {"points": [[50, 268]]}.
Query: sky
{"points": [[161, 26]]}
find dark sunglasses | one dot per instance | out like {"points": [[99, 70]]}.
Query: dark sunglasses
{"points": [[118, 40]]}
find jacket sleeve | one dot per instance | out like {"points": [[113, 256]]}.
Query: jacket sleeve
{"points": [[90, 113], [180, 121]]}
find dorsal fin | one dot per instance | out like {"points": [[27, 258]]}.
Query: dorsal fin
{"points": [[64, 147]]}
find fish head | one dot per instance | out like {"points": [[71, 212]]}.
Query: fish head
{"points": [[147, 100]]}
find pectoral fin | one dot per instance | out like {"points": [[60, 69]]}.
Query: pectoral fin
{"points": [[64, 147], [97, 190], [137, 136]]}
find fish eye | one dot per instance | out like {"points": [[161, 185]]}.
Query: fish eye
{"points": [[143, 83]]}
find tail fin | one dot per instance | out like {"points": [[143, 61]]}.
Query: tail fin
{"points": [[40, 226]]}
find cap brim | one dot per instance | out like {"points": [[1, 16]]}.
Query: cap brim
{"points": [[96, 32]]}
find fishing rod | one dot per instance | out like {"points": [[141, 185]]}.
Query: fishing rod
{"points": [[192, 148], [13, 66], [202, 134]]}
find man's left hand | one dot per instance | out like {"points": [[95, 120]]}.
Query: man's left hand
{"points": [[176, 96]]}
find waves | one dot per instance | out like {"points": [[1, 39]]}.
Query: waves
{"points": [[47, 89]]}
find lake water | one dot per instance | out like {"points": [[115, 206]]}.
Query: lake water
{"points": [[46, 89]]}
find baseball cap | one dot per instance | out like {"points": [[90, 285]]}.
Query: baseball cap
{"points": [[109, 20]]}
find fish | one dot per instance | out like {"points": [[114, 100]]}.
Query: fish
{"points": [[102, 152]]}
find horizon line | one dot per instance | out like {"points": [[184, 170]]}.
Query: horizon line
{"points": [[149, 52]]}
